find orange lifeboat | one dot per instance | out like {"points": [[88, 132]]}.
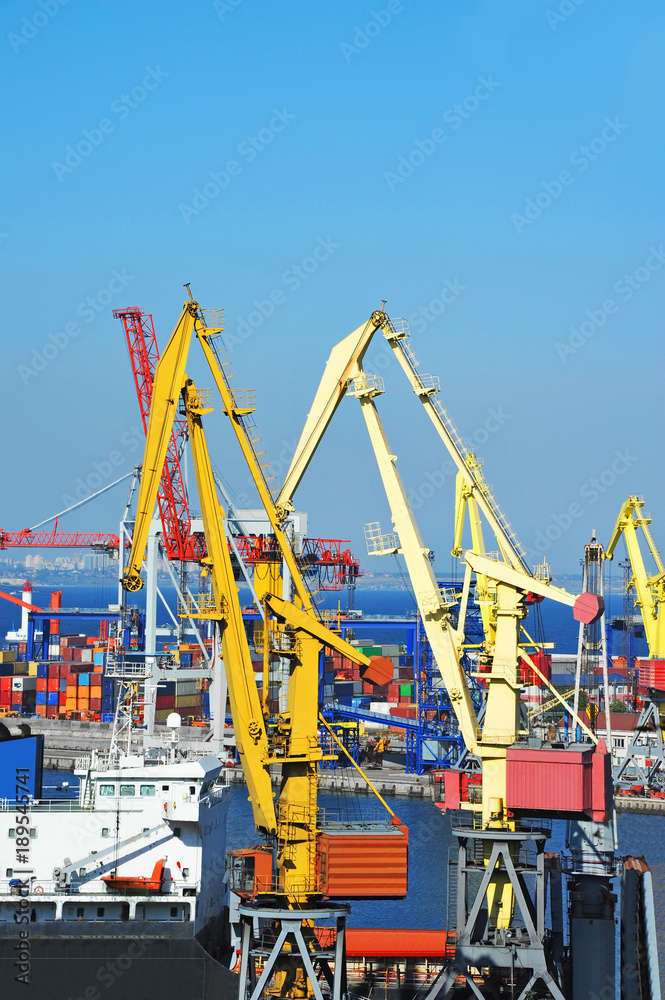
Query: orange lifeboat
{"points": [[137, 885]]}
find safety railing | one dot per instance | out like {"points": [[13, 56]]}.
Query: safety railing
{"points": [[379, 544], [201, 605]]}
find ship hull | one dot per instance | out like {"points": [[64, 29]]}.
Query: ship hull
{"points": [[89, 960]]}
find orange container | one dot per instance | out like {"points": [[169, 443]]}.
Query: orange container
{"points": [[379, 671], [370, 862]]}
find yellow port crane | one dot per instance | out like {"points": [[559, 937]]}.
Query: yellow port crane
{"points": [[510, 582], [644, 761], [307, 865], [649, 590]]}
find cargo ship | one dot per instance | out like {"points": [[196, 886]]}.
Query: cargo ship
{"points": [[119, 892]]}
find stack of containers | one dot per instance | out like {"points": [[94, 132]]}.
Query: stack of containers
{"points": [[184, 696]]}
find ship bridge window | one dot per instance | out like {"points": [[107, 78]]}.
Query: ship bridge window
{"points": [[147, 789], [192, 789], [165, 788], [11, 832], [105, 831], [107, 789], [128, 789], [9, 872]]}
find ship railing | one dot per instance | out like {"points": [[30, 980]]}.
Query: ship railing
{"points": [[49, 887]]}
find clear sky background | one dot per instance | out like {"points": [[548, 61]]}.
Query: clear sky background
{"points": [[512, 152]]}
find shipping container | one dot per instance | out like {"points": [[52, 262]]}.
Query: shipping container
{"points": [[369, 862], [84, 680], [7, 655], [571, 781]]}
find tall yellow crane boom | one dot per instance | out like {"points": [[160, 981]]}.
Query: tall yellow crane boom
{"points": [[649, 590], [248, 722], [339, 371], [294, 744], [512, 579]]}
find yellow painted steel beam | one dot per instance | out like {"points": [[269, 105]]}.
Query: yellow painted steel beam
{"points": [[445, 641], [168, 381], [340, 369], [235, 413], [248, 722]]}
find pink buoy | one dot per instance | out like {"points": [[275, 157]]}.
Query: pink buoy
{"points": [[588, 608]]}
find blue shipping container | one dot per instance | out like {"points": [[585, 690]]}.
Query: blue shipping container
{"points": [[42, 670], [63, 683], [84, 680], [40, 698], [107, 687], [52, 698], [107, 703]]}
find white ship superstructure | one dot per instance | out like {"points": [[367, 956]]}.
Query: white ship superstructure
{"points": [[83, 888]]}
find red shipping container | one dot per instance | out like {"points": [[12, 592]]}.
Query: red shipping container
{"points": [[76, 654], [64, 669], [95, 704], [6, 684], [62, 698], [559, 781], [42, 684], [95, 680], [16, 697], [67, 653], [53, 670], [5, 698], [53, 684], [651, 673], [51, 711]]}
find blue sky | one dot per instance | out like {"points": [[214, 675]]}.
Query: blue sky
{"points": [[512, 152]]}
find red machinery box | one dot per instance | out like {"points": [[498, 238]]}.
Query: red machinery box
{"points": [[547, 781]]}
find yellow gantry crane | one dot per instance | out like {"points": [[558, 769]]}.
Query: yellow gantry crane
{"points": [[649, 589], [510, 583], [301, 878]]}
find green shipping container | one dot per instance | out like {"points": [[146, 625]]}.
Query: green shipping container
{"points": [[405, 689], [370, 650]]}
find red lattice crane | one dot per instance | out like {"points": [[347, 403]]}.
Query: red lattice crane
{"points": [[55, 539], [334, 567], [177, 537]]}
